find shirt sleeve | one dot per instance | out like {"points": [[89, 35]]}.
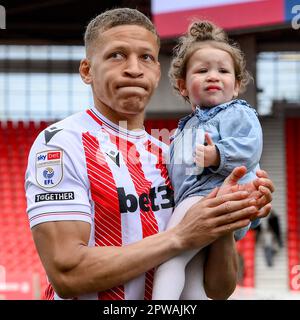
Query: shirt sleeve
{"points": [[55, 186], [240, 140]]}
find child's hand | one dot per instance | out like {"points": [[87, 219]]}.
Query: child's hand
{"points": [[208, 155]]}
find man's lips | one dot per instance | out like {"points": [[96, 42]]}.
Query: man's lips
{"points": [[132, 85]]}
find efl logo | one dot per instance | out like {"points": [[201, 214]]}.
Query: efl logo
{"points": [[53, 155], [296, 18], [2, 17]]}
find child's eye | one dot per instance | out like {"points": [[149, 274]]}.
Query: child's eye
{"points": [[223, 70], [202, 70]]}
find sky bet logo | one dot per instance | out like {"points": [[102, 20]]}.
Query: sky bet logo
{"points": [[42, 157], [130, 203], [49, 156]]}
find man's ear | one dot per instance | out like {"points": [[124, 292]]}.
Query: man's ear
{"points": [[85, 71], [182, 87]]}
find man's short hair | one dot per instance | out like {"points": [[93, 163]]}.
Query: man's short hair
{"points": [[116, 17]]}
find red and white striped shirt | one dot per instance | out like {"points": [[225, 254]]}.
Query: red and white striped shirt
{"points": [[87, 168]]}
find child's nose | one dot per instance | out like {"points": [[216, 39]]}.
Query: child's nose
{"points": [[212, 76]]}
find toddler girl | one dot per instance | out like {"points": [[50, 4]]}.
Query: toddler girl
{"points": [[221, 133]]}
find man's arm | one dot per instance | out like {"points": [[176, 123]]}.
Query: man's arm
{"points": [[74, 268]]}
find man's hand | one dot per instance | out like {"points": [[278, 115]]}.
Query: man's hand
{"points": [[213, 217], [208, 155], [259, 189]]}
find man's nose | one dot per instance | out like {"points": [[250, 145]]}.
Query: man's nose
{"points": [[133, 68]]}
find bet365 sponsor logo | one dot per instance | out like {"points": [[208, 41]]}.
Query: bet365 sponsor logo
{"points": [[130, 202]]}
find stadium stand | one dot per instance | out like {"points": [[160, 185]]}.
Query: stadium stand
{"points": [[23, 276], [246, 248], [293, 181]]}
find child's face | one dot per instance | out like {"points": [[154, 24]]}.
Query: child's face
{"points": [[210, 78]]}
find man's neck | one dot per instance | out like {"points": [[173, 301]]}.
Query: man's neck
{"points": [[129, 122]]}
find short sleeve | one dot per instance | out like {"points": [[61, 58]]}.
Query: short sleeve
{"points": [[55, 184]]}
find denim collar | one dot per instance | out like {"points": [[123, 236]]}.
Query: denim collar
{"points": [[208, 113]]}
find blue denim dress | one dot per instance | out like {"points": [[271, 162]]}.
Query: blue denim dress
{"points": [[235, 129]]}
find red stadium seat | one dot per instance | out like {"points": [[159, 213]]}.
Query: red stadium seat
{"points": [[18, 256], [246, 248]]}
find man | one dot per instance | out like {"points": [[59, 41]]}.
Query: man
{"points": [[98, 192]]}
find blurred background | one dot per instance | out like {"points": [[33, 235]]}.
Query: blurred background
{"points": [[41, 44]]}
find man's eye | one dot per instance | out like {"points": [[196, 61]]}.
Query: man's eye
{"points": [[116, 55], [148, 57]]}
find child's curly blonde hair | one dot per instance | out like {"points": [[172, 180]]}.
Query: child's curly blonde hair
{"points": [[200, 34]]}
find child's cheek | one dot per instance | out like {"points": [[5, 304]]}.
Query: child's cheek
{"points": [[196, 90]]}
